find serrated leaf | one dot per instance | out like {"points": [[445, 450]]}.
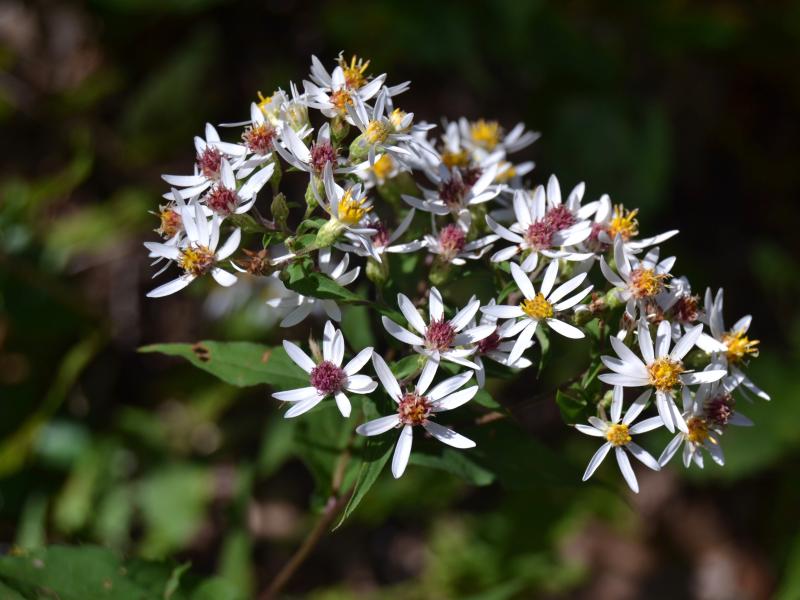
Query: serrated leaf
{"points": [[241, 364]]}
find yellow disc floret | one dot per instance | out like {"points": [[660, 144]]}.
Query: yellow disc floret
{"points": [[698, 431], [506, 172], [352, 210], [646, 283], [665, 373], [538, 308], [397, 118], [377, 132], [354, 72], [739, 346], [383, 167], [341, 99], [196, 260], [618, 435], [485, 134], [624, 223], [458, 158]]}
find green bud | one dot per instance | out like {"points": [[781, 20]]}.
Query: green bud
{"points": [[697, 359], [359, 150], [582, 316], [311, 197], [440, 272], [329, 233], [612, 299], [378, 272], [279, 209], [339, 130]]}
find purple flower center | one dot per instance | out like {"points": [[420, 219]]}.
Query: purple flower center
{"points": [[209, 162], [719, 409], [414, 409], [470, 175], [560, 218], [452, 191], [539, 235], [452, 240], [381, 237], [222, 200], [322, 155], [259, 138], [327, 377], [439, 335], [489, 343]]}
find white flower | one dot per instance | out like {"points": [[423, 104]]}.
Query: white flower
{"points": [[539, 307], [301, 306], [619, 436], [612, 221], [440, 338], [314, 160], [545, 226], [451, 246], [258, 141], [224, 199], [729, 348], [419, 407], [701, 434], [497, 346], [198, 253], [637, 281], [328, 378], [382, 240], [484, 136], [660, 369]]}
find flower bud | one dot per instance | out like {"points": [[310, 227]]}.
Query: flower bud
{"points": [[359, 149], [612, 299], [311, 197], [378, 272], [329, 233], [279, 209], [339, 130], [277, 174]]}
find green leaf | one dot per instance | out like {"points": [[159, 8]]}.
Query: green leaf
{"points": [[238, 363], [573, 407], [485, 399], [319, 285], [456, 462], [377, 451]]}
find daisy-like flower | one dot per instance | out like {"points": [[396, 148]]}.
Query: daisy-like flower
{"points": [[418, 406], [730, 348], [439, 339], [328, 378], [314, 160], [383, 240], [619, 436], [456, 192], [198, 253], [678, 305], [718, 404], [301, 306], [541, 307], [701, 434], [451, 246], [224, 199], [658, 368], [497, 346], [544, 225], [259, 139], [638, 282], [483, 136], [612, 221]]}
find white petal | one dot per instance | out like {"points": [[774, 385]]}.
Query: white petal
{"points": [[523, 282], [455, 400], [596, 459], [402, 451], [703, 376], [616, 403], [646, 343], [297, 395], [358, 361], [402, 334], [627, 471], [230, 245], [686, 343], [303, 407], [503, 311], [448, 436], [343, 402], [646, 425], [386, 377], [378, 426], [663, 339], [637, 407], [670, 450], [435, 306], [589, 430], [300, 358], [410, 313], [549, 278], [565, 329], [171, 287], [428, 373]]}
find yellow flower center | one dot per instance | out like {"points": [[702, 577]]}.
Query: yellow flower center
{"points": [[506, 173], [396, 118], [377, 132], [196, 260], [698, 430], [354, 73], [485, 134], [624, 223], [739, 346], [455, 159], [618, 434], [646, 283], [340, 99], [352, 210], [383, 167], [538, 308], [170, 222], [665, 373]]}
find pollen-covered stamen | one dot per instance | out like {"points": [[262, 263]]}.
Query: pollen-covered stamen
{"points": [[538, 308], [352, 210], [383, 167], [322, 154], [354, 73], [171, 222], [485, 134], [452, 192], [196, 260], [645, 283], [414, 409], [560, 218], [377, 131], [699, 431], [539, 235], [665, 373], [720, 409], [327, 377], [489, 343], [209, 162], [452, 240], [624, 223], [439, 335], [259, 138], [686, 309], [222, 200], [341, 99], [617, 434], [459, 158], [739, 346]]}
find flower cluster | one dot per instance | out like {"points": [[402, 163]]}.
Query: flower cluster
{"points": [[392, 206]]}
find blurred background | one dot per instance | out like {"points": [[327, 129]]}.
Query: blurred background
{"points": [[686, 110]]}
